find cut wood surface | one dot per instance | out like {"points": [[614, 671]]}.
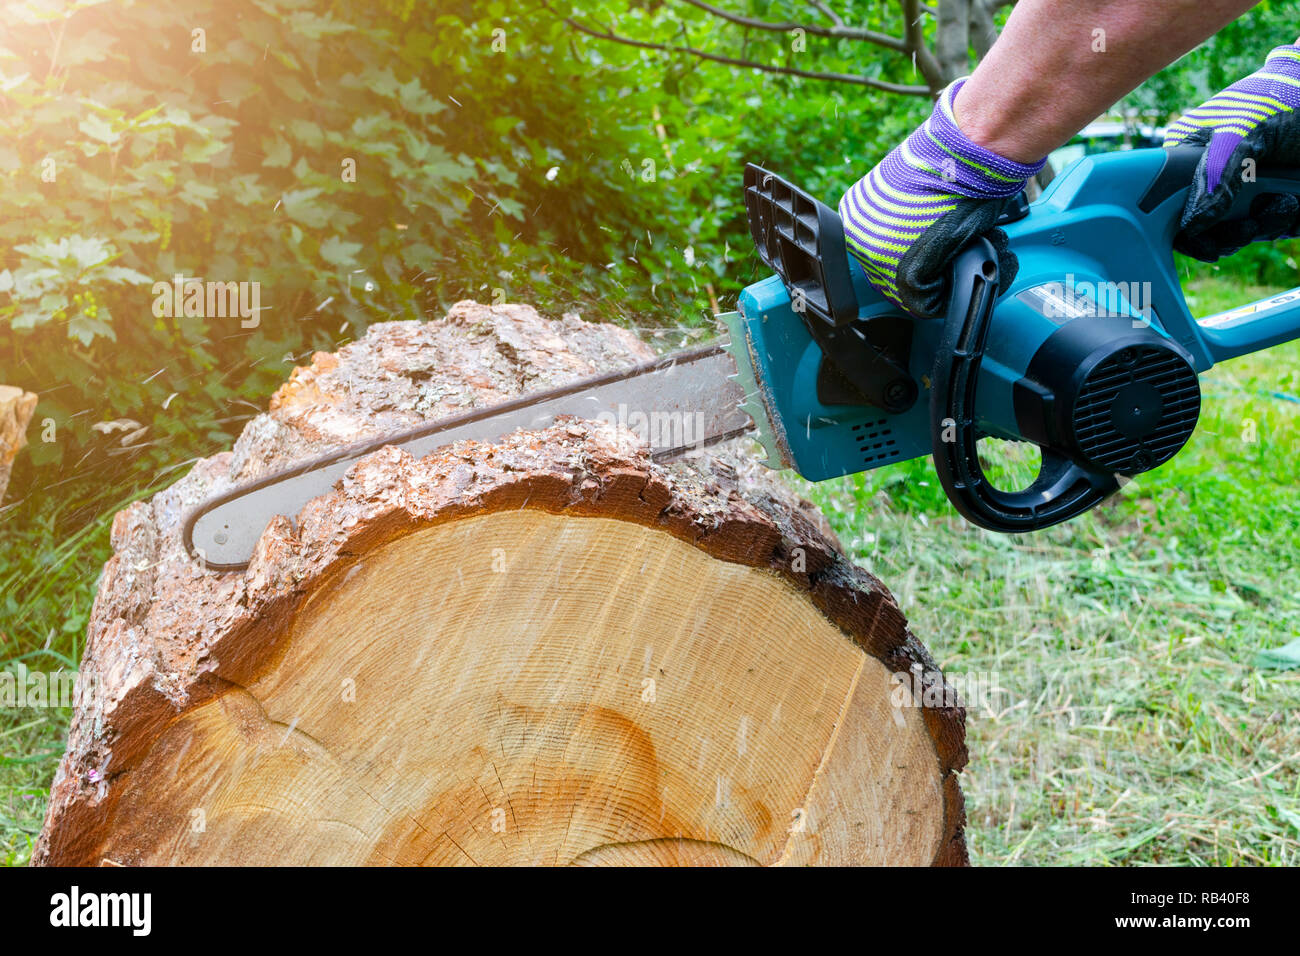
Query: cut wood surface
{"points": [[16, 407], [541, 650]]}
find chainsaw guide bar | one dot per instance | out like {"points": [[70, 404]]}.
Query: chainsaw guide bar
{"points": [[677, 404]]}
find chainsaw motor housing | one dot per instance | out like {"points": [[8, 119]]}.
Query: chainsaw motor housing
{"points": [[1109, 393], [1091, 353]]}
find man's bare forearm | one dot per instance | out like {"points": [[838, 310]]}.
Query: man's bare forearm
{"points": [[1051, 73]]}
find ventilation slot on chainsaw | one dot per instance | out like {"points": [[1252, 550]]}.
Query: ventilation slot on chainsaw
{"points": [[876, 444], [1137, 409]]}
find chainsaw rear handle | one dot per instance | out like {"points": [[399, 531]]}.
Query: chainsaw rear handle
{"points": [[1062, 489], [1175, 179], [1160, 207]]}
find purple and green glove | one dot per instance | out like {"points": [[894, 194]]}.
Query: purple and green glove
{"points": [[906, 219], [1254, 119]]}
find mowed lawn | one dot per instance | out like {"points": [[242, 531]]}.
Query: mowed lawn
{"points": [[1128, 721]]}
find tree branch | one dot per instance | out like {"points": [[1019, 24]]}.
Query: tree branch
{"points": [[836, 32], [952, 38], [823, 8], [922, 58], [884, 85]]}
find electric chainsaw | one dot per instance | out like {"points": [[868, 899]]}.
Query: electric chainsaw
{"points": [[1091, 354]]}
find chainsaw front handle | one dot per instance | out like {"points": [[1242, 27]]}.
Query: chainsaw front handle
{"points": [[1062, 489]]}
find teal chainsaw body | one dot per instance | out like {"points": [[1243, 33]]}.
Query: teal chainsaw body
{"points": [[1091, 354]]}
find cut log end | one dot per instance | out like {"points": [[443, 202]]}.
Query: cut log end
{"points": [[16, 408], [546, 650]]}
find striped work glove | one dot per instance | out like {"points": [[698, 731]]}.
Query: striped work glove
{"points": [[907, 218], [1252, 122]]}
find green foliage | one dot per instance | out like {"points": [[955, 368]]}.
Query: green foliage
{"points": [[139, 147], [1235, 51], [492, 150]]}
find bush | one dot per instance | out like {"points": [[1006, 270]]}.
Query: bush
{"points": [[356, 165]]}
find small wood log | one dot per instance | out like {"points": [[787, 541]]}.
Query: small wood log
{"points": [[542, 650], [16, 408]]}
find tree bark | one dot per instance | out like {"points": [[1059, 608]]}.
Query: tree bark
{"points": [[952, 38], [543, 650], [16, 408]]}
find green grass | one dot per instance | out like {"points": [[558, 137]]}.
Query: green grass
{"points": [[1130, 724], [51, 553]]}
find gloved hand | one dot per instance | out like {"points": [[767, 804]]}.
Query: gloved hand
{"points": [[1253, 119], [907, 218]]}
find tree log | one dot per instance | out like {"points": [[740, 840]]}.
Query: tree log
{"points": [[16, 407], [543, 650]]}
